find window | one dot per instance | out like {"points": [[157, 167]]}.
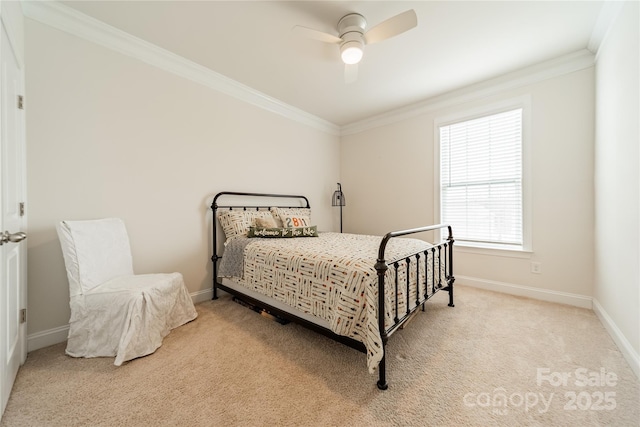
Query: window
{"points": [[481, 179]]}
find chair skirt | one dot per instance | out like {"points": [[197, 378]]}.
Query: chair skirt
{"points": [[128, 316]]}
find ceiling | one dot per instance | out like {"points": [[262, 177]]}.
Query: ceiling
{"points": [[456, 43]]}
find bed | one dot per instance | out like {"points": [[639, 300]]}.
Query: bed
{"points": [[269, 254]]}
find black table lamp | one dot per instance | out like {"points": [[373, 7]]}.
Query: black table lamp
{"points": [[338, 200]]}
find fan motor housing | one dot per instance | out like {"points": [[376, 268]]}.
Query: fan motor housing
{"points": [[353, 22]]}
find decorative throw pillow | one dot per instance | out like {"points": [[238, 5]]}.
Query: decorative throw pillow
{"points": [[295, 221], [237, 222], [266, 222], [278, 213], [283, 232]]}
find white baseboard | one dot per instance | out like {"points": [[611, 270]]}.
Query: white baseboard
{"points": [[46, 338], [630, 355], [57, 335], [527, 291], [621, 341], [202, 296]]}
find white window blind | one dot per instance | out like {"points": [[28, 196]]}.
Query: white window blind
{"points": [[481, 178]]}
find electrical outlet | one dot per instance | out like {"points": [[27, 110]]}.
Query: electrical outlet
{"points": [[536, 267]]}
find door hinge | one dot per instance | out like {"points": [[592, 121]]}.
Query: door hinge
{"points": [[21, 102], [23, 315], [21, 208]]}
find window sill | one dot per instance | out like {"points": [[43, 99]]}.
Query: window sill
{"points": [[492, 250]]}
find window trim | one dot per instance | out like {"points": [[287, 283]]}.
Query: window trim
{"points": [[461, 115]]}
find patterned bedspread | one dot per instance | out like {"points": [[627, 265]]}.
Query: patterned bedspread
{"points": [[333, 277]]}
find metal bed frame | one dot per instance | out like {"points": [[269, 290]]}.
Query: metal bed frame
{"points": [[440, 253]]}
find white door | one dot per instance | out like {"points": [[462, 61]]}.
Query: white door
{"points": [[12, 220]]}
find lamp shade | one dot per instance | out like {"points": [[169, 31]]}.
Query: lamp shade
{"points": [[338, 197], [338, 200]]}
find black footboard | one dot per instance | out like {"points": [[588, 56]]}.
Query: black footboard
{"points": [[439, 257]]}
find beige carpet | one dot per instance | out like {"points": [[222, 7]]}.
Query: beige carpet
{"points": [[449, 367]]}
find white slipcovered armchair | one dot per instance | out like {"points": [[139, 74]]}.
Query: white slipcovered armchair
{"points": [[113, 311]]}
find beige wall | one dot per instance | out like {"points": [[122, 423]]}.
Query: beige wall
{"points": [[617, 282], [108, 135], [388, 179]]}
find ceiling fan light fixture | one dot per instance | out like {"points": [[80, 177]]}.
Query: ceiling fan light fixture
{"points": [[351, 52], [353, 35]]}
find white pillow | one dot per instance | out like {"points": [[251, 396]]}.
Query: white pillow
{"points": [[280, 214]]}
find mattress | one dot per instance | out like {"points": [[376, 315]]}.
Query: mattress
{"points": [[332, 278]]}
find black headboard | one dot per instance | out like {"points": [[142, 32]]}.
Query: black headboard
{"points": [[215, 206], [262, 201]]}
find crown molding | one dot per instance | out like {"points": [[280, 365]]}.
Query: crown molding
{"points": [[69, 20], [11, 17], [606, 18], [542, 71]]}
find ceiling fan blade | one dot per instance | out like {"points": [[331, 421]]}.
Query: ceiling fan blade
{"points": [[316, 35], [350, 73], [392, 27]]}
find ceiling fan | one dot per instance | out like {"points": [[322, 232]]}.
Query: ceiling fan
{"points": [[353, 35]]}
